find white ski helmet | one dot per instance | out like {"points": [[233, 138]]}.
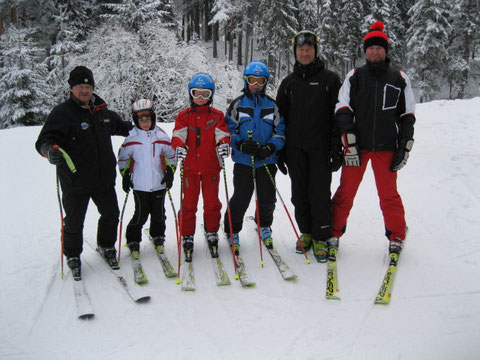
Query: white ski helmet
{"points": [[143, 105]]}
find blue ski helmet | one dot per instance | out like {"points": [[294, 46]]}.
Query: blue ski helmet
{"points": [[201, 81], [256, 68]]}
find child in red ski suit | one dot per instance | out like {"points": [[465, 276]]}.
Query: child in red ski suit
{"points": [[201, 140]]}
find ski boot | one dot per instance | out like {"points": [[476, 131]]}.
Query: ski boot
{"points": [[320, 250], [212, 240], [134, 249], [109, 254], [236, 243], [266, 232], [73, 262], [158, 242], [306, 240], [396, 246], [188, 247], [332, 243]]}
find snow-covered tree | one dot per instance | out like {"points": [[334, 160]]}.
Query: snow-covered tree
{"points": [[331, 47], [133, 13], [465, 30], [351, 18], [23, 96], [427, 39]]}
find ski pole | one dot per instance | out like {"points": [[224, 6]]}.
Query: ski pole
{"points": [[62, 231], [177, 225], [121, 223], [257, 210], [288, 213], [180, 223], [229, 214], [72, 168]]}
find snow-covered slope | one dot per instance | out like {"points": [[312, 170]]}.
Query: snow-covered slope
{"points": [[434, 312]]}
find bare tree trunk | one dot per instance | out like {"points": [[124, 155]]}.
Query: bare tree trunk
{"points": [[239, 48], [230, 44], [196, 19], [13, 15], [226, 34], [2, 29], [214, 39]]}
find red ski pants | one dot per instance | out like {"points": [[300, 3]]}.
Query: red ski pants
{"points": [[386, 181], [208, 183]]}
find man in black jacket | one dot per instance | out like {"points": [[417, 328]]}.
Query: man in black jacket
{"points": [[307, 99], [375, 116], [82, 126]]}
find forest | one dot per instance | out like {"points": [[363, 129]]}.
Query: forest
{"points": [[151, 48]]}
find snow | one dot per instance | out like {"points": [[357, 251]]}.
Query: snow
{"points": [[434, 312]]}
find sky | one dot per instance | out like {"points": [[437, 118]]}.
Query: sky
{"points": [[434, 312]]}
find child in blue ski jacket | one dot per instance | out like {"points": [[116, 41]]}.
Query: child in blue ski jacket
{"points": [[257, 133]]}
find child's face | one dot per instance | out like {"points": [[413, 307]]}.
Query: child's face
{"points": [[144, 120], [200, 96]]}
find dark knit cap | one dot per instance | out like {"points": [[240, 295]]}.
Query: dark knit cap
{"points": [[81, 75], [376, 36]]}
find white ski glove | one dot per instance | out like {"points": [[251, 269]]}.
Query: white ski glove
{"points": [[223, 150], [180, 153], [351, 152]]}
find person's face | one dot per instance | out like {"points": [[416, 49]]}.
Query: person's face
{"points": [[305, 54], [256, 83], [375, 54], [201, 97], [83, 93], [144, 119]]}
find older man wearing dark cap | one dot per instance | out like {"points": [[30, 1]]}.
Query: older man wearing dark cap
{"points": [[82, 126]]}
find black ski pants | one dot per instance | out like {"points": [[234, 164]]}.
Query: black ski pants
{"points": [[311, 178], [75, 202], [147, 203], [243, 191]]}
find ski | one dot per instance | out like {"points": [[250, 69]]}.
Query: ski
{"points": [[188, 277], [283, 268], [385, 293], [243, 274], [221, 275], [135, 292], [167, 267], [82, 300], [285, 271], [332, 279], [138, 273]]}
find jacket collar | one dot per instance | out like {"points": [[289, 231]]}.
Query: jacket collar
{"points": [[306, 71]]}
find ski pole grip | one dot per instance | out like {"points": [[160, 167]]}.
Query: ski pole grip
{"points": [[67, 158]]}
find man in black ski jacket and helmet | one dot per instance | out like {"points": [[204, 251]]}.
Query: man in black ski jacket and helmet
{"points": [[82, 126], [307, 99]]}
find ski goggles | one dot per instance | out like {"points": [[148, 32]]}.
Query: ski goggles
{"points": [[258, 80], [305, 38], [144, 115], [204, 94]]}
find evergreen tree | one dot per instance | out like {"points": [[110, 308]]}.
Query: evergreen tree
{"points": [[351, 18], [465, 27], [427, 38], [331, 47], [23, 100]]}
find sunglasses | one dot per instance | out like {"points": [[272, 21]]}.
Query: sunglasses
{"points": [[205, 94], [259, 80], [305, 38]]}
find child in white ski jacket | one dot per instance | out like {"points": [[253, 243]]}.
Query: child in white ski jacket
{"points": [[146, 161]]}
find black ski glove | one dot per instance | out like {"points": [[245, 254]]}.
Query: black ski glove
{"points": [[248, 147], [54, 156], [401, 155], [127, 181], [335, 157], [168, 177], [265, 151], [282, 163]]}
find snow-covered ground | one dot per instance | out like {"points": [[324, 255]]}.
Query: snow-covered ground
{"points": [[434, 312]]}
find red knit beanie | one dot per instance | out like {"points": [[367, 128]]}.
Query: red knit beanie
{"points": [[376, 36]]}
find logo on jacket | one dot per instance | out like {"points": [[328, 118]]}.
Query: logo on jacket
{"points": [[315, 83], [84, 126]]}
